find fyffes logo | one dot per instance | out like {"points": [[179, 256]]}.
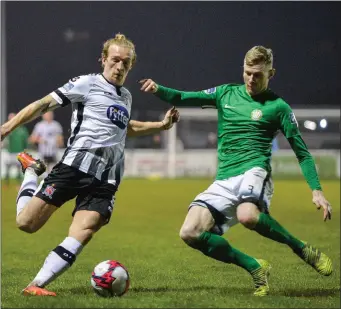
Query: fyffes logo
{"points": [[256, 114], [118, 115]]}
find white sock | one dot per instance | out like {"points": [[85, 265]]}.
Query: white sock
{"points": [[58, 260], [28, 186]]}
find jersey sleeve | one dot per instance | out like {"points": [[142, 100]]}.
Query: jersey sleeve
{"points": [[74, 91], [289, 127], [188, 98], [287, 121], [306, 161]]}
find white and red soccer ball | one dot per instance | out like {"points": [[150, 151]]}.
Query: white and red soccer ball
{"points": [[110, 278]]}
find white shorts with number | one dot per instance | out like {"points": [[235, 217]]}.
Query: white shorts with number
{"points": [[223, 196]]}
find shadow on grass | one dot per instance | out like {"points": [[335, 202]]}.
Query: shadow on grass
{"points": [[310, 292], [218, 290], [79, 290]]}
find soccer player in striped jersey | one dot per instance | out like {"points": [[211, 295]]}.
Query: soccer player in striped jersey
{"points": [[48, 135], [91, 168], [249, 117]]}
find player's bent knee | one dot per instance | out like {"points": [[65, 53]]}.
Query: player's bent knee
{"points": [[26, 225], [188, 234], [249, 222], [247, 214]]}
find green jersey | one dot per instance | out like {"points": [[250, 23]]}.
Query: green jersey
{"points": [[246, 128], [17, 140]]}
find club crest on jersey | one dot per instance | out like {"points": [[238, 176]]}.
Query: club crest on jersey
{"points": [[211, 90], [256, 114], [49, 190], [118, 115], [68, 86]]}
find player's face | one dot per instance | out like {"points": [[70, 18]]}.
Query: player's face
{"points": [[48, 116], [256, 77], [118, 63]]}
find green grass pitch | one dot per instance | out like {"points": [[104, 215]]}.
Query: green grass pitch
{"points": [[165, 273]]}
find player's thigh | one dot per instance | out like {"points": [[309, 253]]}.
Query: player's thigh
{"points": [[221, 201], [62, 184], [198, 220], [93, 209], [256, 188], [85, 224], [35, 214]]}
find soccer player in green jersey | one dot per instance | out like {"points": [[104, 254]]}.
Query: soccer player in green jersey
{"points": [[16, 142], [249, 117]]}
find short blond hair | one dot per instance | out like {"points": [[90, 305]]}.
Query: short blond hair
{"points": [[259, 54], [121, 40]]}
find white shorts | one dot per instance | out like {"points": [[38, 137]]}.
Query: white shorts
{"points": [[223, 196]]}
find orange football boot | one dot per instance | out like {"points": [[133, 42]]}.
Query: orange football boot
{"points": [[37, 291], [26, 160]]}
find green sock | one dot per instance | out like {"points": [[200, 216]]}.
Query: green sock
{"points": [[270, 228], [219, 249]]}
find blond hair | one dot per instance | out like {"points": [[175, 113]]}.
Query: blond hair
{"points": [[259, 54], [121, 40]]}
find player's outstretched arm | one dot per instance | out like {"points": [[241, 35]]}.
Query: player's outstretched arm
{"points": [[307, 164], [138, 128], [177, 97], [29, 113], [290, 129]]}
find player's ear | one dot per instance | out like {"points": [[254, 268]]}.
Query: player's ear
{"points": [[272, 73], [101, 60]]}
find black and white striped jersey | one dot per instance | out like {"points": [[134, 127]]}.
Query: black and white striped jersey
{"points": [[48, 133], [100, 116]]}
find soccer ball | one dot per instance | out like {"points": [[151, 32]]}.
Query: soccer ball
{"points": [[110, 278]]}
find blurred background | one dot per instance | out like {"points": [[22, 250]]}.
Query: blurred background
{"points": [[188, 46]]}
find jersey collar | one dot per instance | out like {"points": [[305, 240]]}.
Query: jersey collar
{"points": [[118, 88]]}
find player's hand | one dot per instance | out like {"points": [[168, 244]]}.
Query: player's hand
{"points": [[172, 116], [320, 201], [148, 85]]}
